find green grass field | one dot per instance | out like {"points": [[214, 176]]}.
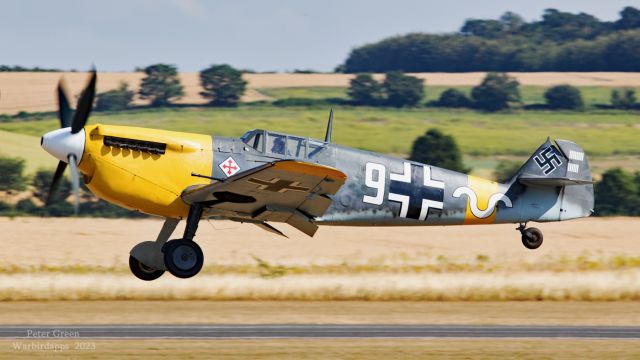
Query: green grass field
{"points": [[613, 136], [26, 147], [601, 133], [591, 95]]}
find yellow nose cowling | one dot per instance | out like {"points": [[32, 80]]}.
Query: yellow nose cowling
{"points": [[142, 178]]}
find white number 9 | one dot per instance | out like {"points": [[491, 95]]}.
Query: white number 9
{"points": [[377, 184]]}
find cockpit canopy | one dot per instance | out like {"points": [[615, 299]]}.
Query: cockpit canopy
{"points": [[273, 143]]}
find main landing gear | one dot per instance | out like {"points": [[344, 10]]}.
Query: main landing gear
{"points": [[531, 237], [183, 258]]}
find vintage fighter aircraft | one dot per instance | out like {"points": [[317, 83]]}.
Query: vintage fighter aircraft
{"points": [[266, 177]]}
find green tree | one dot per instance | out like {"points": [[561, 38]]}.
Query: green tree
{"points": [[115, 100], [222, 84], [506, 170], [437, 149], [496, 92], [365, 90], [623, 99], [617, 194], [6, 209], [41, 182], [11, 170], [483, 28], [26, 206], [402, 90], [563, 26], [161, 84], [561, 41], [621, 51], [629, 18], [564, 97], [511, 22], [453, 98], [58, 205]]}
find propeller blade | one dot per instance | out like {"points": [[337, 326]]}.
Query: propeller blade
{"points": [[85, 104], [75, 183], [64, 110], [56, 180]]}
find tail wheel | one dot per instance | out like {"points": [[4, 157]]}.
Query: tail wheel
{"points": [[532, 238], [183, 258], [142, 271]]}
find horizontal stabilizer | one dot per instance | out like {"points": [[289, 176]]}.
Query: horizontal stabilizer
{"points": [[545, 181]]}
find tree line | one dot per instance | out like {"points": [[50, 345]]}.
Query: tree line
{"points": [[222, 85], [26, 195], [497, 91], [559, 41], [18, 68]]}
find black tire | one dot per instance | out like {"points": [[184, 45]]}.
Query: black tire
{"points": [[183, 258], [142, 271], [532, 238]]}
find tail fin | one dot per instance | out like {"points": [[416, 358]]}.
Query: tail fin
{"points": [[563, 166]]}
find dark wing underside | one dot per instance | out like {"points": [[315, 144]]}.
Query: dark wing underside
{"points": [[286, 191]]}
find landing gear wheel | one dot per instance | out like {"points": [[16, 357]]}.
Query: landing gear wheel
{"points": [[531, 238], [183, 258], [142, 271]]}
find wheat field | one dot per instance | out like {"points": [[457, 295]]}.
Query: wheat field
{"points": [[86, 259], [35, 92]]}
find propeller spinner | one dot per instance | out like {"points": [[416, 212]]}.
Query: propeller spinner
{"points": [[67, 143]]}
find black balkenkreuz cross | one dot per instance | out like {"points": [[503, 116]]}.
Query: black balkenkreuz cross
{"points": [[547, 160], [416, 191], [278, 185]]}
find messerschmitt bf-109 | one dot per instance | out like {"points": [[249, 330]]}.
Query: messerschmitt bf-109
{"points": [[266, 177]]}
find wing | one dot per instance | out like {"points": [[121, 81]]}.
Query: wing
{"points": [[287, 191]]}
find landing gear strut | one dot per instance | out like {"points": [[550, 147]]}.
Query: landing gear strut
{"points": [[531, 237], [146, 259], [183, 258]]}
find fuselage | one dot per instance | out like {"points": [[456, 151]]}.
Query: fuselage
{"points": [[147, 170]]}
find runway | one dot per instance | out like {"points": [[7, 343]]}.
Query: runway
{"points": [[261, 331]]}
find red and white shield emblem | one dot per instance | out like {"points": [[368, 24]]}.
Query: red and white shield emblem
{"points": [[229, 166]]}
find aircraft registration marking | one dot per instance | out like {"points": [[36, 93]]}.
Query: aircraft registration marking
{"points": [[415, 200]]}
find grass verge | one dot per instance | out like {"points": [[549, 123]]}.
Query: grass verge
{"points": [[521, 286]]}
